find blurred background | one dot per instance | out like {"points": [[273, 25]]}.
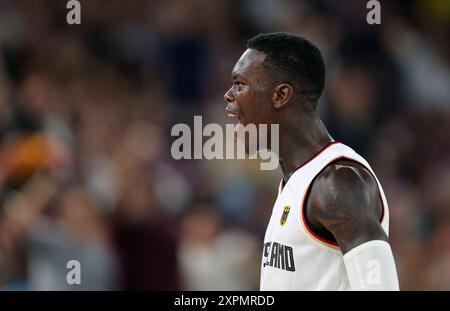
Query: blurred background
{"points": [[85, 118]]}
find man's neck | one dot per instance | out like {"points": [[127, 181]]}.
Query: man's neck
{"points": [[301, 142]]}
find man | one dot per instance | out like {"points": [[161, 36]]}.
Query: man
{"points": [[329, 225]]}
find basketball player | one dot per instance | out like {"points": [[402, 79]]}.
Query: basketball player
{"points": [[329, 225]]}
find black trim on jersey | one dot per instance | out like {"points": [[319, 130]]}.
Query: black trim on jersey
{"points": [[325, 234]]}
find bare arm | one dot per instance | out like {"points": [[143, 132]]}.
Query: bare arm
{"points": [[345, 200]]}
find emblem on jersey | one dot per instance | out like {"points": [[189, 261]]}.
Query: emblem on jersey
{"points": [[285, 215]]}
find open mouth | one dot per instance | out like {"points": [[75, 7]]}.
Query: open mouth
{"points": [[233, 114]]}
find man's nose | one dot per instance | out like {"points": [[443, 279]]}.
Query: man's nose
{"points": [[229, 97]]}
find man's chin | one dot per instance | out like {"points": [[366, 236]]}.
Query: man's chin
{"points": [[248, 140]]}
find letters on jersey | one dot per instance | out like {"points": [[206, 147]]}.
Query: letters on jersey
{"points": [[278, 256], [294, 256]]}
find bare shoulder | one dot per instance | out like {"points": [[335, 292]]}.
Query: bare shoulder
{"points": [[345, 200], [344, 179]]}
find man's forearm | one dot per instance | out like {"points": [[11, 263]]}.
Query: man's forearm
{"points": [[371, 266]]}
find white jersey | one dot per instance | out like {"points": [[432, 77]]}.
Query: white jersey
{"points": [[294, 257]]}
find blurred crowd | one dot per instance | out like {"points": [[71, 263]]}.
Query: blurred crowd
{"points": [[86, 113]]}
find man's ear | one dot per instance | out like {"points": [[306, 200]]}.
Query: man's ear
{"points": [[281, 95]]}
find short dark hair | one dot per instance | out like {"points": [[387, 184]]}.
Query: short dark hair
{"points": [[294, 60]]}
